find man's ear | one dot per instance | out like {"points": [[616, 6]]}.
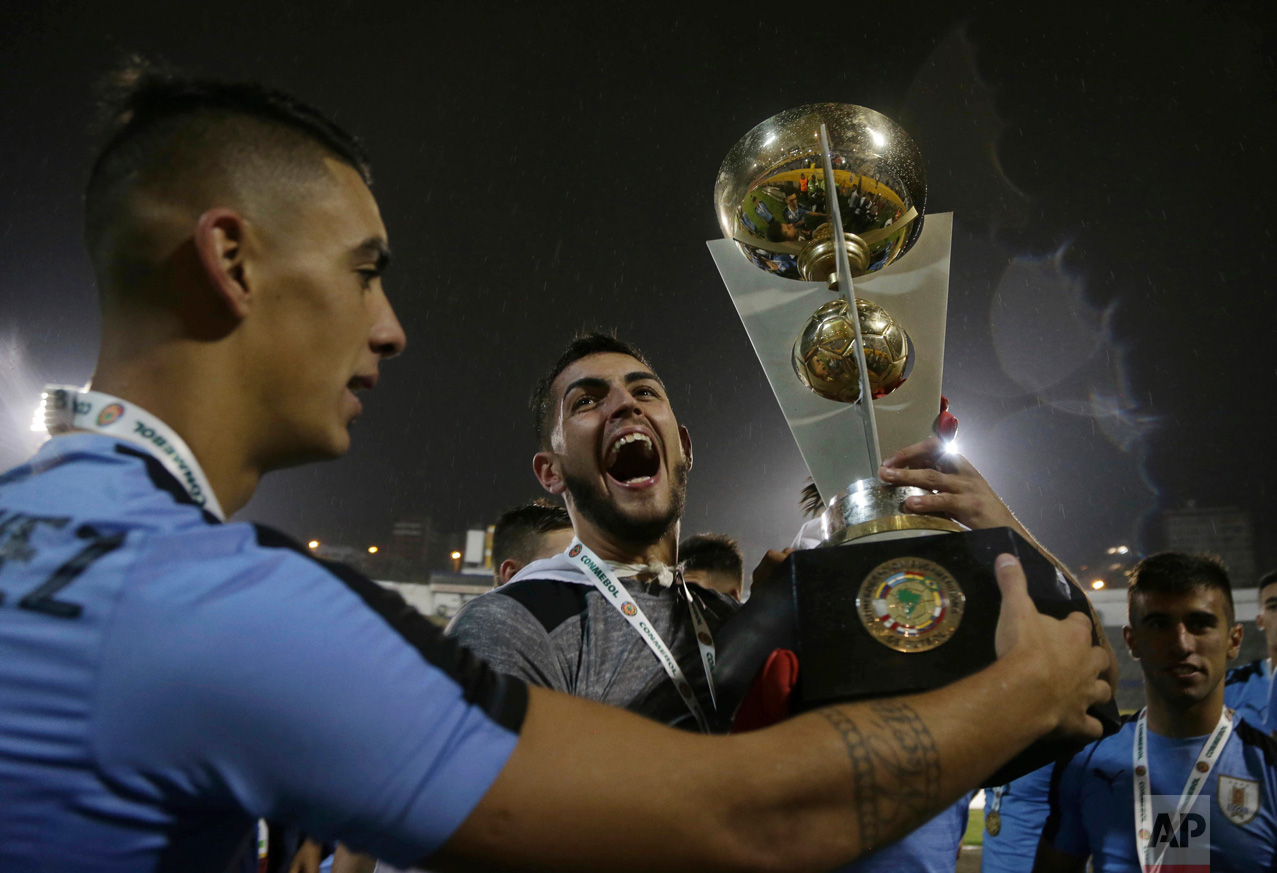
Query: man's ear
{"points": [[546, 467], [508, 568], [1235, 634], [1129, 636], [685, 437], [219, 240]]}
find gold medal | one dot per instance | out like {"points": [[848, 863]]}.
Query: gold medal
{"points": [[993, 823], [910, 604]]}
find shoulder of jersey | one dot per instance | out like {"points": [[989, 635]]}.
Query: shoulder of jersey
{"points": [[1245, 672], [549, 601], [1126, 726], [1253, 736]]}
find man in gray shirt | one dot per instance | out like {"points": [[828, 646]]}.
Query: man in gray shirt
{"points": [[612, 448]]}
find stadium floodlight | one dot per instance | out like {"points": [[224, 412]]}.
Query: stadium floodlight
{"points": [[37, 419]]}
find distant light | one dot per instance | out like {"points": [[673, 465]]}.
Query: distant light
{"points": [[1122, 550], [1097, 584], [771, 138], [951, 447], [372, 550], [1112, 550], [313, 544], [37, 419], [456, 556], [879, 139]]}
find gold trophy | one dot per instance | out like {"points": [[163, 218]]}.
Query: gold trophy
{"points": [[786, 192], [823, 213]]}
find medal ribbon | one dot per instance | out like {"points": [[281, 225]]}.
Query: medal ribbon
{"points": [[1197, 777], [704, 637], [606, 581], [996, 804], [67, 409]]}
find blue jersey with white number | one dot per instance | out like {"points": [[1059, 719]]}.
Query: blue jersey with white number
{"points": [[1092, 799], [1022, 813], [166, 680], [1246, 690]]}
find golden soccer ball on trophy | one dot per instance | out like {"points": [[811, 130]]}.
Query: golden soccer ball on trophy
{"points": [[824, 354]]}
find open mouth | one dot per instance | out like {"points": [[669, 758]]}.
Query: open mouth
{"points": [[632, 459]]}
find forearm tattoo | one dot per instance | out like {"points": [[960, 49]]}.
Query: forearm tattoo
{"points": [[895, 768]]}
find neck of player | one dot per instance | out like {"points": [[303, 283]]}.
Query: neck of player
{"points": [[611, 547], [1173, 719], [202, 410]]}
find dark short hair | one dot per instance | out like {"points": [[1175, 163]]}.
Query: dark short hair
{"points": [[157, 122], [1269, 578], [582, 346], [1178, 573], [517, 533], [711, 552], [810, 500]]}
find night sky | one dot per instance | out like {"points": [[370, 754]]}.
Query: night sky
{"points": [[1112, 345]]}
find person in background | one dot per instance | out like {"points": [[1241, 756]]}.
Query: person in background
{"points": [[1014, 815], [1247, 687], [527, 533], [713, 561], [1184, 749]]}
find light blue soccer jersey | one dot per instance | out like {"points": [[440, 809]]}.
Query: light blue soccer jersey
{"points": [[1246, 690], [166, 680], [1092, 799], [1022, 814]]}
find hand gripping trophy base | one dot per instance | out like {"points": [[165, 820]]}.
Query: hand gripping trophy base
{"points": [[871, 510]]}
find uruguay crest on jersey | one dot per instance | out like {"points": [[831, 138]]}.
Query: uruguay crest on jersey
{"points": [[1238, 798]]}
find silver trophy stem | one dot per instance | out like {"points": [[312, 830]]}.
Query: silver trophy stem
{"points": [[853, 314], [869, 510]]}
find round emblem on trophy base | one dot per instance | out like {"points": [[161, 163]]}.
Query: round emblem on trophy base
{"points": [[910, 604]]}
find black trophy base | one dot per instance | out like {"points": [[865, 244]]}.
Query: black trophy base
{"points": [[851, 651]]}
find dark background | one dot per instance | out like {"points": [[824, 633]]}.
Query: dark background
{"points": [[547, 167]]}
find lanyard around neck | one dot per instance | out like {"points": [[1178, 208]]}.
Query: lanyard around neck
{"points": [[1197, 777], [68, 409], [606, 581]]}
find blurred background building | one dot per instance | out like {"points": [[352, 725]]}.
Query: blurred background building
{"points": [[435, 570]]}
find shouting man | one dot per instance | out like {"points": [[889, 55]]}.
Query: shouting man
{"points": [[612, 448]]}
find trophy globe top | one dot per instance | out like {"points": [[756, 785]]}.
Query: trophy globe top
{"points": [[772, 198]]}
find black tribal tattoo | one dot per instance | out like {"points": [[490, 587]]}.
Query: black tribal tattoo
{"points": [[895, 768]]}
